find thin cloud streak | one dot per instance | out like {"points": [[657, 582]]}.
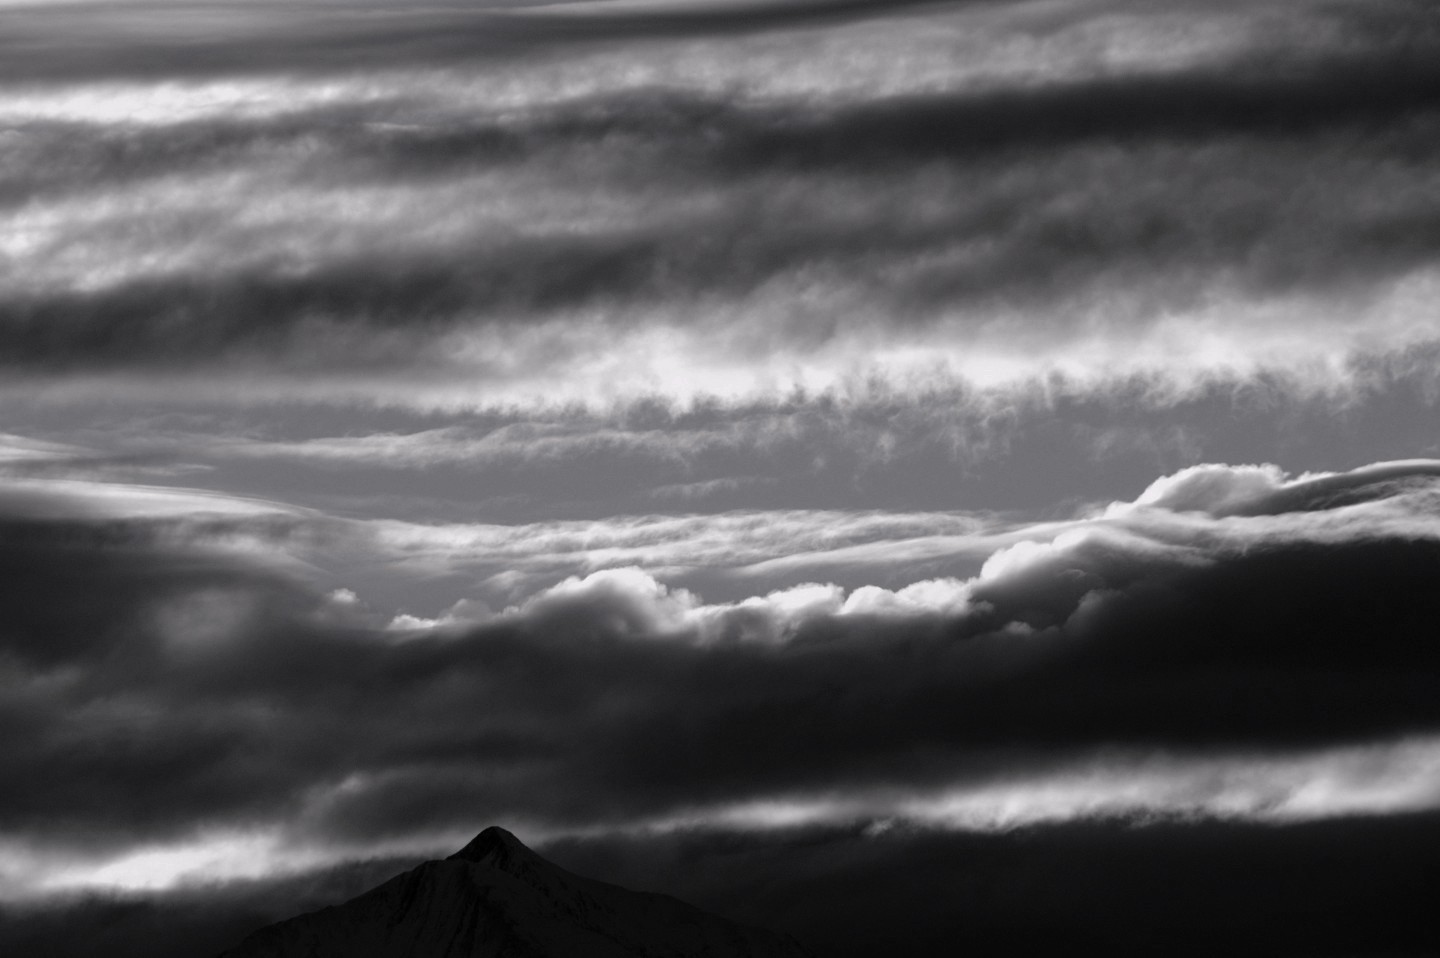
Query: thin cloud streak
{"points": [[1386, 779]]}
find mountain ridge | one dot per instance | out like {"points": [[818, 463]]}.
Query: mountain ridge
{"points": [[496, 898]]}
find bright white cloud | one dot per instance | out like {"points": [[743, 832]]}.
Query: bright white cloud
{"points": [[1368, 779], [1372, 779]]}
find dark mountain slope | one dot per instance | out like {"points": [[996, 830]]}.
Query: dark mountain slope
{"points": [[496, 898]]}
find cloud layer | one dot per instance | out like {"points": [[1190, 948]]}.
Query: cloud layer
{"points": [[724, 433], [1043, 187], [177, 679]]}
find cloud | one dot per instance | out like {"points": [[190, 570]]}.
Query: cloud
{"points": [[1221, 490], [183, 922], [167, 687], [390, 238], [360, 359], [334, 38], [1043, 447], [1331, 887], [751, 546], [926, 259]]}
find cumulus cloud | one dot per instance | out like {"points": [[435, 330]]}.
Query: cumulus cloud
{"points": [[253, 696]]}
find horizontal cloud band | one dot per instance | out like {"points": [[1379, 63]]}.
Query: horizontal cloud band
{"points": [[161, 686]]}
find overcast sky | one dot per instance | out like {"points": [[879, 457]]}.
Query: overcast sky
{"points": [[824, 439]]}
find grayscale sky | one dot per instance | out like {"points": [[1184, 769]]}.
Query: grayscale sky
{"points": [[629, 419]]}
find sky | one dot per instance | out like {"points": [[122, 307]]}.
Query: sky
{"points": [[965, 470]]}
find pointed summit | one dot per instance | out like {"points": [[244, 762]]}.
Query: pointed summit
{"points": [[494, 846]]}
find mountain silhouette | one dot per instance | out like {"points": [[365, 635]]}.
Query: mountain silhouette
{"points": [[495, 898]]}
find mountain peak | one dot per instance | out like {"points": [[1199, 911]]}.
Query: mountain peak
{"points": [[494, 845]]}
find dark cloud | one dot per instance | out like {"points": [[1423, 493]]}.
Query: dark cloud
{"points": [[504, 198], [180, 39], [1344, 888], [374, 311], [50, 158], [1295, 171], [356, 314], [158, 690], [180, 924], [1349, 888], [1136, 233], [684, 133], [1368, 94], [193, 40]]}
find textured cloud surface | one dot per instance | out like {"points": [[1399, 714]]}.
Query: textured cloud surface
{"points": [[834, 441], [658, 202], [177, 675]]}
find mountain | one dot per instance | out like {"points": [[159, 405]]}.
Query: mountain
{"points": [[495, 898]]}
